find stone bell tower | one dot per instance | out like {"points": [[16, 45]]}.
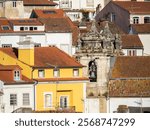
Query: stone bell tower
{"points": [[95, 50]]}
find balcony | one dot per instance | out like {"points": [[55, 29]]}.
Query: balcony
{"points": [[68, 109]]}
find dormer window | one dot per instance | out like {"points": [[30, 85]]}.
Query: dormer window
{"points": [[41, 73], [5, 27], [56, 72], [16, 75], [75, 72]]}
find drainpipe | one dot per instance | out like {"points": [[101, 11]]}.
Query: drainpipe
{"points": [[34, 87]]}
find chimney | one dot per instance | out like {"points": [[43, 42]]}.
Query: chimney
{"points": [[26, 51]]}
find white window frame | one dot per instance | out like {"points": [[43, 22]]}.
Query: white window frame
{"points": [[135, 20], [56, 73], [41, 73], [14, 3], [13, 99], [26, 100], [51, 100], [133, 52], [76, 72], [65, 96], [6, 45], [16, 75]]}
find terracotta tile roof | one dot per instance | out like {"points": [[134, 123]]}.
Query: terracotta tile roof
{"points": [[50, 13], [12, 22], [131, 41], [9, 67], [129, 88], [6, 75], [8, 80], [56, 25], [5, 23], [53, 17], [31, 21], [50, 56], [10, 51], [39, 3], [112, 26], [134, 7], [141, 28], [131, 67], [53, 56], [61, 79]]}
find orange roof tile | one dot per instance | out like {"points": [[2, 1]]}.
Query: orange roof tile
{"points": [[56, 20], [6, 75], [131, 41], [49, 13], [39, 3], [129, 88], [53, 56], [134, 7], [131, 67], [50, 56], [141, 28], [31, 21], [9, 67], [56, 25]]}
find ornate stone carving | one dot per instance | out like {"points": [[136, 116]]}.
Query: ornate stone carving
{"points": [[102, 41]]}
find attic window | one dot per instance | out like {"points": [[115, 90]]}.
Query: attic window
{"points": [[5, 27], [49, 12], [16, 75]]}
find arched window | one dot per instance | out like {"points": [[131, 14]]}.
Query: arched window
{"points": [[92, 71]]}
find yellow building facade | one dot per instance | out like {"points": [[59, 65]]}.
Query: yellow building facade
{"points": [[59, 83]]}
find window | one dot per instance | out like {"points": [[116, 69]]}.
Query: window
{"points": [[6, 45], [41, 73], [37, 45], [92, 71], [63, 102], [48, 100], [21, 28], [75, 72], [56, 73], [13, 99], [14, 3], [26, 28], [26, 99], [113, 17], [16, 75], [1, 4], [35, 28], [31, 28], [132, 53], [135, 20], [5, 27], [90, 3], [146, 19]]}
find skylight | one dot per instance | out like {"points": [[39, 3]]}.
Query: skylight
{"points": [[49, 12]]}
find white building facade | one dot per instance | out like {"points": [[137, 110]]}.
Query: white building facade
{"points": [[75, 8], [17, 96]]}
